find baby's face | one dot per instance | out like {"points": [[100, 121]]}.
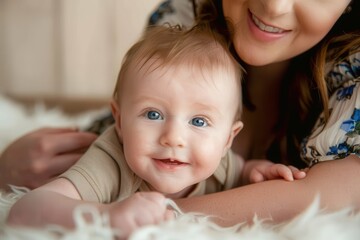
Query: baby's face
{"points": [[177, 123]]}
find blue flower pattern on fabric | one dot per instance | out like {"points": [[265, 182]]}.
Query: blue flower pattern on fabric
{"points": [[342, 149], [164, 8], [352, 125], [345, 92], [344, 71], [355, 67], [343, 79]]}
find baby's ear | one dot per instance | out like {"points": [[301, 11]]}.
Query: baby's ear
{"points": [[115, 109], [235, 129]]}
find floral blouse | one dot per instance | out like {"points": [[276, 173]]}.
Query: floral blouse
{"points": [[340, 137]]}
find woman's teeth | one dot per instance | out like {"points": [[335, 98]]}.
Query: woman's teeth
{"points": [[264, 27]]}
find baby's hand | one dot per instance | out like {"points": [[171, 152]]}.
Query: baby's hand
{"points": [[269, 171], [142, 208]]}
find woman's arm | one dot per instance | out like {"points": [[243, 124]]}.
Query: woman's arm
{"points": [[336, 182]]}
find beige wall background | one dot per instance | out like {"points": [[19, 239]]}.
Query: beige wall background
{"points": [[66, 49]]}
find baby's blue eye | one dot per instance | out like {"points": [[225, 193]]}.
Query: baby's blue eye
{"points": [[153, 115], [199, 122]]}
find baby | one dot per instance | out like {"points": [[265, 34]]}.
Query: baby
{"points": [[177, 107]]}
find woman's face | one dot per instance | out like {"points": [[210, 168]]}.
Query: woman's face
{"points": [[270, 31]]}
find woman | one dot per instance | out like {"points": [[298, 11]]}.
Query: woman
{"points": [[301, 58], [283, 46]]}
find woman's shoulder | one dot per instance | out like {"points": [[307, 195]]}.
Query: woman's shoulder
{"points": [[340, 136], [339, 74]]}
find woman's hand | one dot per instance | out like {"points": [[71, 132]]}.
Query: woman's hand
{"points": [[38, 156]]}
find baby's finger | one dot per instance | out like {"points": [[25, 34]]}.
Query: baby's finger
{"points": [[298, 174], [279, 170], [154, 197], [256, 176], [156, 205], [170, 215]]}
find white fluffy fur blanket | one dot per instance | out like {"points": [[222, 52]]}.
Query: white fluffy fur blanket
{"points": [[313, 223], [310, 225]]}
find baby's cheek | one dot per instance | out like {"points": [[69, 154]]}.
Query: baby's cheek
{"points": [[209, 157]]}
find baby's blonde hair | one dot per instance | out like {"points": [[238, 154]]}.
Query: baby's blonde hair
{"points": [[199, 48]]}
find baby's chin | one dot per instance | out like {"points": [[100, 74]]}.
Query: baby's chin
{"points": [[174, 192]]}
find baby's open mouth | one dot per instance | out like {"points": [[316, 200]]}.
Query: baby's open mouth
{"points": [[170, 161]]}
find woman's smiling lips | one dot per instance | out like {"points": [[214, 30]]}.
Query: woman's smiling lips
{"points": [[263, 31], [264, 27]]}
